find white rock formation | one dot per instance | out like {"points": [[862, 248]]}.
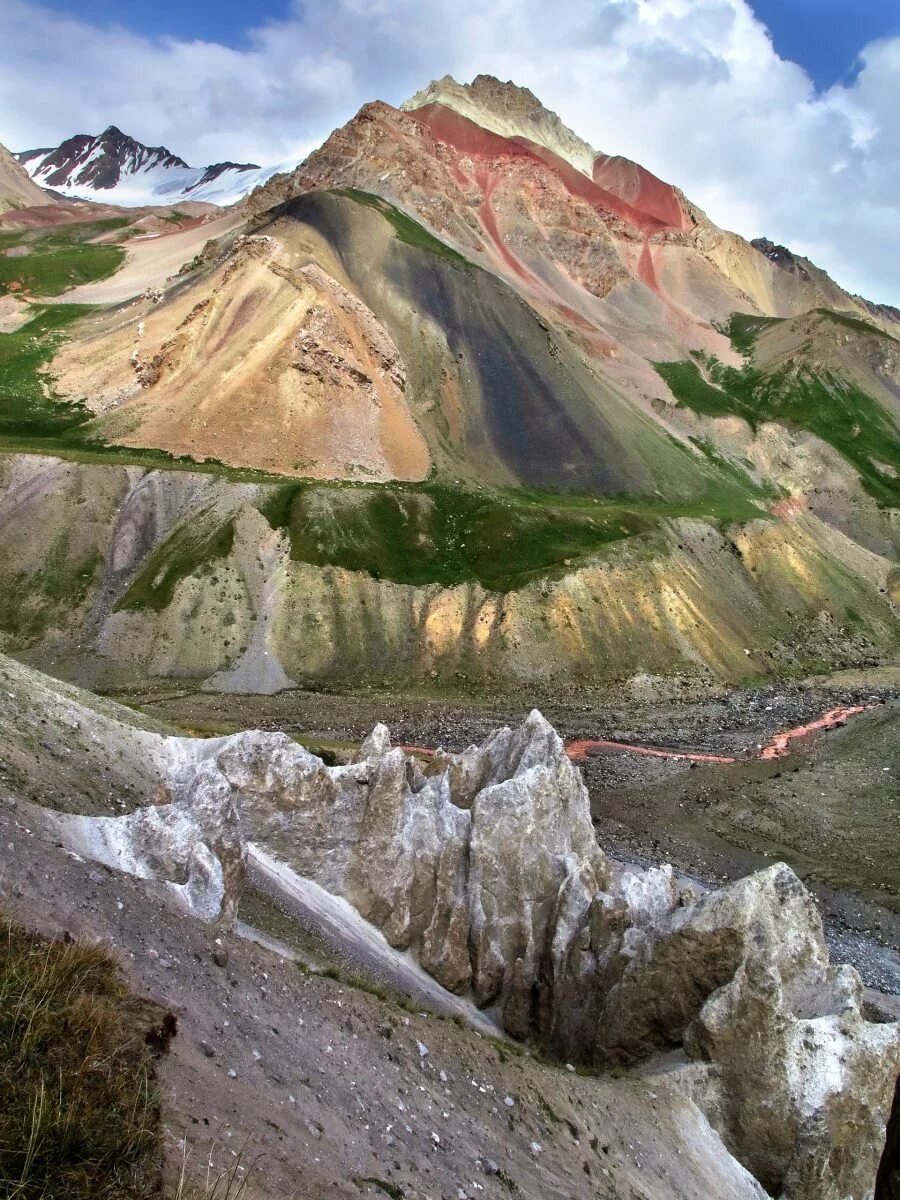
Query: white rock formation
{"points": [[464, 866], [485, 868], [191, 843]]}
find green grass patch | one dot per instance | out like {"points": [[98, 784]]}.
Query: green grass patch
{"points": [[855, 323], [73, 233], [823, 404], [406, 229], [744, 328], [59, 258], [692, 390], [79, 1116], [432, 533], [47, 273], [87, 449], [26, 409], [189, 549], [435, 534]]}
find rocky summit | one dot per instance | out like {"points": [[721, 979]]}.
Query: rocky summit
{"points": [[448, 678]]}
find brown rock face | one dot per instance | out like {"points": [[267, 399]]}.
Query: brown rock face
{"points": [[493, 172], [268, 362], [16, 188], [494, 197]]}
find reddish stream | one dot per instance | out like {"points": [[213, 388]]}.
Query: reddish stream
{"points": [[778, 745]]}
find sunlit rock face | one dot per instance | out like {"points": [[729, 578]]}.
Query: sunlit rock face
{"points": [[484, 867]]}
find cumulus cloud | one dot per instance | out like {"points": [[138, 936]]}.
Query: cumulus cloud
{"points": [[691, 88]]}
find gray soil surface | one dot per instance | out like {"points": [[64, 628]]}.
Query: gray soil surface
{"points": [[307, 1054]]}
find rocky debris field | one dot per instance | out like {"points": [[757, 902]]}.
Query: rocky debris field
{"points": [[681, 714]]}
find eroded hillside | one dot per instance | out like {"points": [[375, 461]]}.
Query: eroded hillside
{"points": [[542, 418]]}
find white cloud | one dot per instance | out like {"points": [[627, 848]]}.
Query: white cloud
{"points": [[691, 88]]}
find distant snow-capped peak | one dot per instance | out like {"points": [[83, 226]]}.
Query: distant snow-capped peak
{"points": [[116, 168]]}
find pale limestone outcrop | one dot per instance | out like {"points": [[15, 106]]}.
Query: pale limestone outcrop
{"points": [[191, 842], [485, 868], [804, 1079], [464, 866], [798, 1081]]}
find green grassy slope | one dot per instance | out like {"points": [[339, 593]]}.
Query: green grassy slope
{"points": [[189, 548], [26, 410], [58, 258], [429, 533], [797, 395]]}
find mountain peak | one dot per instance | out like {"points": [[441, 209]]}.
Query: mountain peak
{"points": [[488, 89], [509, 110], [125, 171], [515, 113]]}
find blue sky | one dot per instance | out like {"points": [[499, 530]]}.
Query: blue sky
{"points": [[208, 20], [826, 36], [779, 118], [823, 36]]}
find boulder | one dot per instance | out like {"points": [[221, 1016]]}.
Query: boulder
{"points": [[799, 1082]]}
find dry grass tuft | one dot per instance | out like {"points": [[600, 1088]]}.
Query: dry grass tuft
{"points": [[79, 1115], [228, 1183]]}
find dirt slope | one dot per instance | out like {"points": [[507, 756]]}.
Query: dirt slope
{"points": [[326, 1088], [150, 262], [270, 363], [327, 345], [16, 187]]}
